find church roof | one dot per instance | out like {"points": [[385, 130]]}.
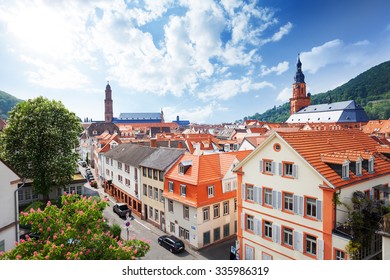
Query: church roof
{"points": [[339, 112], [139, 116]]}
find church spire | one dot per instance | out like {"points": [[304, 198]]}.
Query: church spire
{"points": [[108, 111], [299, 77]]}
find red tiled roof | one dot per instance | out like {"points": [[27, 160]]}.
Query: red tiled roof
{"points": [[314, 145]]}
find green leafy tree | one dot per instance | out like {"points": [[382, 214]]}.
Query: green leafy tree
{"points": [[75, 231], [39, 142]]}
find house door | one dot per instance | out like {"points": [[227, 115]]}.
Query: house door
{"points": [[146, 211], [162, 221]]}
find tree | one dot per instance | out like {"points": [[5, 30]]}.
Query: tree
{"points": [[39, 142], [75, 231]]}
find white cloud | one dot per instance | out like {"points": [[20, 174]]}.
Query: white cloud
{"points": [[51, 76], [198, 114], [227, 89], [279, 69], [284, 95], [334, 52]]}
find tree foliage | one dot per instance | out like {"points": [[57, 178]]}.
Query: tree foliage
{"points": [[39, 142], [370, 89], [74, 231]]}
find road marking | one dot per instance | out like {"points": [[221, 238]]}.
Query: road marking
{"points": [[142, 224]]}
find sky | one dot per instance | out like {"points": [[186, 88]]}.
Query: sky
{"points": [[205, 61]]}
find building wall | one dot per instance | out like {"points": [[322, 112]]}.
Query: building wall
{"points": [[305, 185], [386, 247], [7, 207], [157, 203]]}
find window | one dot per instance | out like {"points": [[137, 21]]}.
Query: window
{"points": [[288, 202], [119, 165], [206, 238], [161, 176], [144, 171], [107, 172], [112, 162], [267, 196], [287, 169], [127, 168], [150, 212], [249, 193], [216, 211], [149, 173], [170, 206], [217, 234], [127, 182], [210, 191], [170, 186], [184, 233], [150, 191], [107, 160], [156, 215], [226, 207], [155, 174], [156, 193], [206, 214], [339, 255], [268, 166], [249, 223], [358, 168], [183, 190], [235, 205], [161, 196], [120, 178], [249, 252], [186, 212], [371, 165], [28, 194], [2, 246], [172, 227], [288, 236], [145, 189], [311, 207], [226, 230], [268, 229], [311, 245]]}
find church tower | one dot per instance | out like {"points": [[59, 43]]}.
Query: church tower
{"points": [[108, 113], [299, 99]]}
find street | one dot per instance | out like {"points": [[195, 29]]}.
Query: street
{"points": [[140, 229]]}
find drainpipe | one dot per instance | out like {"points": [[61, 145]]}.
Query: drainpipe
{"points": [[17, 210]]}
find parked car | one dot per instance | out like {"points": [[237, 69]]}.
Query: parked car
{"points": [[122, 210], [172, 243], [82, 163], [90, 177], [88, 171]]}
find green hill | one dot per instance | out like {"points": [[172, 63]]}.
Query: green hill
{"points": [[370, 89], [7, 102]]}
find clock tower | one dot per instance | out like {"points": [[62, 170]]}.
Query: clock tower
{"points": [[300, 99]]}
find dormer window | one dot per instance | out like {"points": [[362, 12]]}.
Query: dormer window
{"points": [[184, 166], [345, 171]]}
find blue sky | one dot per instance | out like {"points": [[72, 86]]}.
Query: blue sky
{"points": [[206, 61]]}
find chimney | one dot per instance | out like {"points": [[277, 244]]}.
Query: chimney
{"points": [[153, 143], [180, 145]]}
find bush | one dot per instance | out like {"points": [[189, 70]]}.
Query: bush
{"points": [[116, 230]]}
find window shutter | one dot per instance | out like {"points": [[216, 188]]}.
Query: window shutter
{"points": [[320, 249], [243, 191], [371, 193], [257, 226], [259, 195], [261, 166], [274, 199], [248, 253], [280, 169], [295, 204], [298, 241], [279, 200], [275, 233], [243, 221], [319, 210], [295, 171], [300, 212], [273, 168]]}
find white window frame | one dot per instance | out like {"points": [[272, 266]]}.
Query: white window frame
{"points": [[268, 196], [210, 191]]}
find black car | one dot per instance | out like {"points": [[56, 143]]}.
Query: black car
{"points": [[122, 210], [172, 243], [90, 177]]}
